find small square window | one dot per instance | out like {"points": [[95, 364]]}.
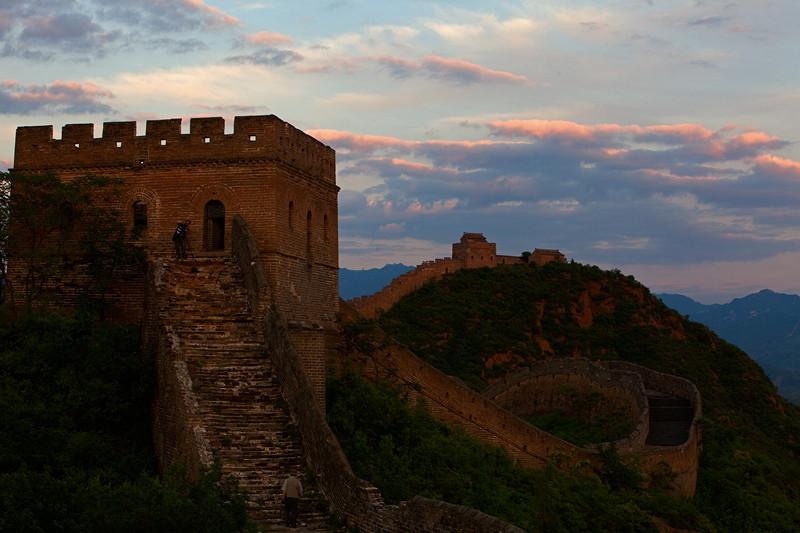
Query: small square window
{"points": [[77, 145], [252, 138], [206, 140], [163, 142], [119, 144]]}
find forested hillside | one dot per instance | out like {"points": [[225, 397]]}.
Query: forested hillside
{"points": [[479, 325], [76, 439]]}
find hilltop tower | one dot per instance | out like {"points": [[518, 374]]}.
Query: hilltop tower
{"points": [[280, 180]]}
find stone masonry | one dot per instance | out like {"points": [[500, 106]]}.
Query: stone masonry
{"points": [[238, 415], [472, 251], [282, 181]]}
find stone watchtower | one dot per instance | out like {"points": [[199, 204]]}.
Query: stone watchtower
{"points": [[280, 180], [474, 251]]}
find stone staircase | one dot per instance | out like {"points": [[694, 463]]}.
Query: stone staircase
{"points": [[246, 420]]}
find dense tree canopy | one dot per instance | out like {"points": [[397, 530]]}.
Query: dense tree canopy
{"points": [[749, 467], [75, 437], [55, 227]]}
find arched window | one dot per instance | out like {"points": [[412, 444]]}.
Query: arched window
{"points": [[139, 214], [291, 216], [325, 228], [214, 226], [309, 251]]}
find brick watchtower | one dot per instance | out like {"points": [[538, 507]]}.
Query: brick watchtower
{"points": [[280, 180]]}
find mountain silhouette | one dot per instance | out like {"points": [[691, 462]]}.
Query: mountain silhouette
{"points": [[355, 283], [765, 324]]}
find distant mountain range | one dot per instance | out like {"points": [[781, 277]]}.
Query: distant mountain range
{"points": [[355, 283], [765, 324]]}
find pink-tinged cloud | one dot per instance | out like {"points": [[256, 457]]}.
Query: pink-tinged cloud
{"points": [[466, 72], [561, 130], [343, 140], [5, 164], [64, 96], [680, 132], [214, 16], [777, 165], [440, 68], [346, 141], [265, 38], [697, 139], [755, 139], [455, 70]]}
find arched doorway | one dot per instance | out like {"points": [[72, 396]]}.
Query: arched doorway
{"points": [[139, 214], [214, 226]]}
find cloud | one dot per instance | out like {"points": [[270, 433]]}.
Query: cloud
{"points": [[614, 192], [465, 72], [357, 251], [450, 70], [165, 15], [694, 141], [265, 38], [269, 57], [212, 16], [348, 142], [5, 164], [45, 30], [777, 166], [53, 29], [231, 109], [61, 96]]}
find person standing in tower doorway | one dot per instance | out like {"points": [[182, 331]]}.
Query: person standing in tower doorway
{"points": [[291, 492], [181, 238]]}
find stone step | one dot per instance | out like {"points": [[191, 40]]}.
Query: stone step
{"points": [[233, 380]]}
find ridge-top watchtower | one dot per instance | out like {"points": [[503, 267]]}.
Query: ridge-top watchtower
{"points": [[279, 179]]}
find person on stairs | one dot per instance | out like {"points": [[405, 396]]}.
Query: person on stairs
{"points": [[181, 238], [291, 492]]}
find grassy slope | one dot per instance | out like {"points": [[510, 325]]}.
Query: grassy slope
{"points": [[480, 324]]}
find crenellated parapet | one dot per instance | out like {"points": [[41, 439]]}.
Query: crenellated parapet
{"points": [[257, 138]]}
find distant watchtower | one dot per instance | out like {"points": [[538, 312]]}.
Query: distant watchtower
{"points": [[280, 180]]}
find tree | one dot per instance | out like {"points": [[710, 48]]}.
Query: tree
{"points": [[5, 196], [54, 228]]}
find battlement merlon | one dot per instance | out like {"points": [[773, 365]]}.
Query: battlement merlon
{"points": [[262, 137]]}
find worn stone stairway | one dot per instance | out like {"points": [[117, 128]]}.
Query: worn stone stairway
{"points": [[246, 421]]}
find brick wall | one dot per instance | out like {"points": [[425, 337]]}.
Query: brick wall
{"points": [[282, 181], [472, 251], [684, 459], [353, 498], [540, 389], [452, 402], [178, 434]]}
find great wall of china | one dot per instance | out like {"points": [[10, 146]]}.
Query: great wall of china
{"points": [[243, 330]]}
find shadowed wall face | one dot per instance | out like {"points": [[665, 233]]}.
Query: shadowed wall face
{"points": [[265, 170]]}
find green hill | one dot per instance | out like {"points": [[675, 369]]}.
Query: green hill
{"points": [[481, 324]]}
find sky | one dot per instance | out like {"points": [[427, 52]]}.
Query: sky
{"points": [[656, 137]]}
